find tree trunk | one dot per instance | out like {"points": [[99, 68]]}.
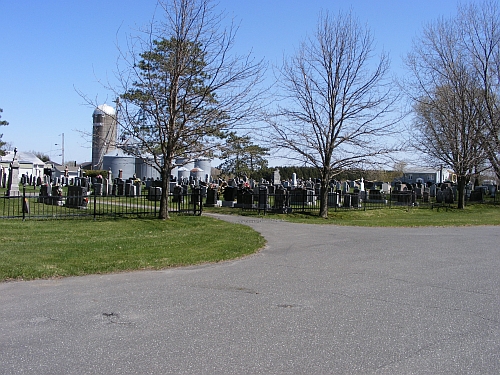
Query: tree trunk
{"points": [[323, 207], [165, 187], [461, 192]]}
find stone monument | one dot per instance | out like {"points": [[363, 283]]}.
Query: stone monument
{"points": [[13, 183]]}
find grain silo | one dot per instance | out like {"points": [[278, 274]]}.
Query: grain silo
{"points": [[118, 160], [103, 134], [206, 166]]}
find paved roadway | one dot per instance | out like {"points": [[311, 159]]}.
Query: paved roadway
{"points": [[316, 300]]}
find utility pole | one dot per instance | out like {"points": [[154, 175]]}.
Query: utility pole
{"points": [[62, 149]]}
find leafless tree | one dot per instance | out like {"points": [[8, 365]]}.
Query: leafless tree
{"points": [[480, 24], [449, 99], [180, 88], [336, 101], [448, 130]]}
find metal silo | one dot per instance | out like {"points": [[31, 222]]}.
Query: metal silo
{"points": [[198, 174], [184, 162], [183, 173], [145, 170], [206, 166], [118, 160], [103, 134]]}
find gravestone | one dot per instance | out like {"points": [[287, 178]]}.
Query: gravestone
{"points": [[419, 190], [375, 196], [56, 197], [77, 197], [244, 198], [212, 197], [425, 196], [297, 196], [280, 199], [13, 182], [439, 196], [230, 193], [129, 189], [263, 198], [120, 187], [178, 194], [98, 189], [44, 194], [276, 177], [333, 199], [432, 191], [477, 195], [138, 187], [345, 187], [154, 193], [449, 196], [347, 201]]}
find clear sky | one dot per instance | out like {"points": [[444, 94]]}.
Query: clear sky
{"points": [[49, 49]]}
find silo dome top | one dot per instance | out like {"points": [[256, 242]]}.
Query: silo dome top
{"points": [[104, 109]]}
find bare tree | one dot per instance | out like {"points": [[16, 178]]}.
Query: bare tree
{"points": [[181, 89], [448, 100], [448, 130], [336, 98], [480, 24]]}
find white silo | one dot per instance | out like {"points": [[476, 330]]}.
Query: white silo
{"points": [[198, 174], [205, 165], [104, 134], [184, 162], [183, 174]]}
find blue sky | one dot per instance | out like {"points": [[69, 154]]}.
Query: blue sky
{"points": [[51, 48]]}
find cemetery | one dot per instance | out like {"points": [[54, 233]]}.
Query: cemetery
{"points": [[190, 192], [130, 186]]}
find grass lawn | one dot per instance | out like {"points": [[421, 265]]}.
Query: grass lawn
{"points": [[45, 249], [56, 248], [478, 214]]}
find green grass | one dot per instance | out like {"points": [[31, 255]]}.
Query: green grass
{"points": [[48, 249], [478, 214], [58, 248]]}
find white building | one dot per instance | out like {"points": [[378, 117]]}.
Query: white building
{"points": [[29, 165], [426, 175]]}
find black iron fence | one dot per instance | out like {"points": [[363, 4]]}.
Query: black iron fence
{"points": [[78, 203], [306, 201]]}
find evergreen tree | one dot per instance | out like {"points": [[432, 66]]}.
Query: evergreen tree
{"points": [[2, 143], [242, 157]]}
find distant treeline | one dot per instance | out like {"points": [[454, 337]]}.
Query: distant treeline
{"points": [[306, 173]]}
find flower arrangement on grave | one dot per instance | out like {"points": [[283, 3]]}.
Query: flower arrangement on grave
{"points": [[222, 187]]}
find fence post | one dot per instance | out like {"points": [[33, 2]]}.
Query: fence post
{"points": [[24, 202], [201, 202], [95, 200]]}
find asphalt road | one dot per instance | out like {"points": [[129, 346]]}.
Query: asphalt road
{"points": [[316, 300]]}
